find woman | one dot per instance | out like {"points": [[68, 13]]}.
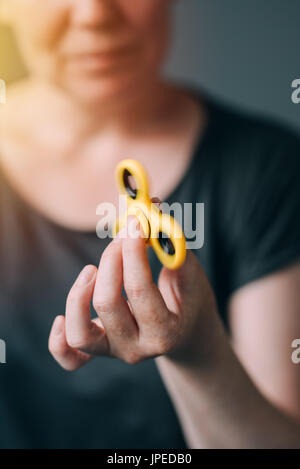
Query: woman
{"points": [[211, 344]]}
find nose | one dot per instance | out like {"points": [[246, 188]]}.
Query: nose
{"points": [[94, 13]]}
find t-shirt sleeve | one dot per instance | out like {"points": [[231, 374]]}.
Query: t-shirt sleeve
{"points": [[265, 216]]}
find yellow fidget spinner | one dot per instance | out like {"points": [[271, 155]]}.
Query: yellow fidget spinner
{"points": [[161, 230]]}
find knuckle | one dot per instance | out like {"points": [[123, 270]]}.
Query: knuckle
{"points": [[162, 340], [72, 298], [132, 358], [160, 347], [120, 332], [54, 349], [103, 305], [175, 326], [70, 366], [135, 291], [78, 341]]}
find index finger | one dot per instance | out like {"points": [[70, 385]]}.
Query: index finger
{"points": [[143, 295]]}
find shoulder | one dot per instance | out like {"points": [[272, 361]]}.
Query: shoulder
{"points": [[257, 162], [259, 167], [249, 155], [23, 110], [253, 141], [241, 144]]}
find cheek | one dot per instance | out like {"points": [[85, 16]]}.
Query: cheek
{"points": [[143, 13], [37, 27], [151, 20]]}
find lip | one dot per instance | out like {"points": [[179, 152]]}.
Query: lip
{"points": [[99, 60]]}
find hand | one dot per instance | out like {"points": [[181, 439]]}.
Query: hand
{"points": [[176, 319]]}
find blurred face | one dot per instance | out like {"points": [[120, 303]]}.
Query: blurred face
{"points": [[94, 49]]}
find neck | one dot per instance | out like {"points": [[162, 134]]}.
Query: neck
{"points": [[134, 112]]}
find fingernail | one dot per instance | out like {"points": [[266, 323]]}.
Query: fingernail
{"points": [[86, 275]]}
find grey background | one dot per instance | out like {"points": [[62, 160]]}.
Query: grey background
{"points": [[244, 51]]}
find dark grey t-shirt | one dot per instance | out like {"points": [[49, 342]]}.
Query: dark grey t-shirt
{"points": [[246, 172]]}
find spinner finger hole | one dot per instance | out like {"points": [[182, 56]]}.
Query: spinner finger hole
{"points": [[130, 184], [166, 244]]}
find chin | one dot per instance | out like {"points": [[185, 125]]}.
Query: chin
{"points": [[103, 90]]}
